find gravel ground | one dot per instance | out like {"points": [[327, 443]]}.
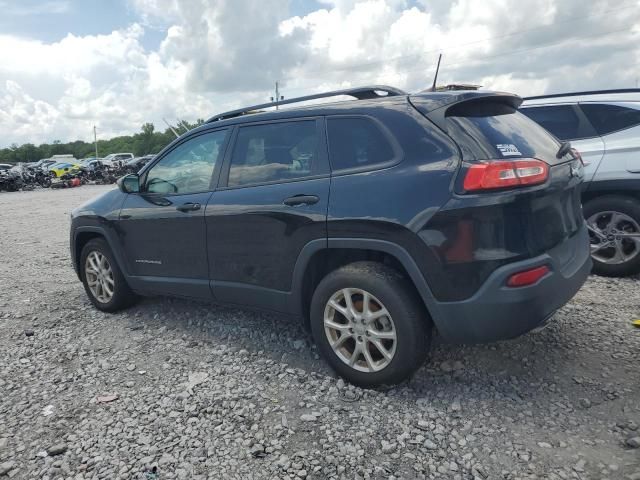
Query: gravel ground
{"points": [[201, 391]]}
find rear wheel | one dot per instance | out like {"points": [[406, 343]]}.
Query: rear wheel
{"points": [[614, 231], [369, 324], [102, 279]]}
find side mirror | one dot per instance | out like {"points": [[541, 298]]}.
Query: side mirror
{"points": [[129, 183]]}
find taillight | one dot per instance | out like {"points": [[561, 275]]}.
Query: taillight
{"points": [[527, 277], [492, 174]]}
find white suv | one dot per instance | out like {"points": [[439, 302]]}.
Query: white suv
{"points": [[604, 126], [117, 159]]}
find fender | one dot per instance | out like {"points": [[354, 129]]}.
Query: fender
{"points": [[108, 238], [390, 248]]}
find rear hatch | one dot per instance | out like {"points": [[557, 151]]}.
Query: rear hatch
{"points": [[513, 197]]}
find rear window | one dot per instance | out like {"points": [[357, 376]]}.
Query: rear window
{"points": [[610, 118], [486, 130], [357, 142]]}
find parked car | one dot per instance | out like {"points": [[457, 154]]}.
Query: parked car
{"points": [[137, 163], [64, 158], [43, 164], [605, 128], [375, 221], [91, 163], [117, 159], [62, 168]]}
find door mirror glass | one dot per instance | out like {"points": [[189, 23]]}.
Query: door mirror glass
{"points": [[129, 183]]}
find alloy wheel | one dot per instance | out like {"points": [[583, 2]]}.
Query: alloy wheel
{"points": [[360, 330], [99, 275], [614, 236]]}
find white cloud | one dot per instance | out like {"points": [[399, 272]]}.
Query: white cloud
{"points": [[219, 55]]}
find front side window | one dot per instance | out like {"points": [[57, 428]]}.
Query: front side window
{"points": [[188, 167], [276, 152], [610, 118], [561, 120], [357, 142]]}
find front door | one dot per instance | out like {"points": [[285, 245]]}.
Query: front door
{"points": [[162, 228], [272, 200]]}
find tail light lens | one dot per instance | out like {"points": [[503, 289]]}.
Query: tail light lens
{"points": [[492, 174]]}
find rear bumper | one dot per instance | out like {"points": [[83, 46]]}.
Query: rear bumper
{"points": [[497, 312]]}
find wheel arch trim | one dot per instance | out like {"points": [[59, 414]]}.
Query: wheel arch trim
{"points": [[102, 232], [393, 249]]}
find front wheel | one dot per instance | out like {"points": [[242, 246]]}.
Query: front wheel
{"points": [[369, 324], [103, 281], [614, 231]]}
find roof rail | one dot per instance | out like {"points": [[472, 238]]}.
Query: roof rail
{"points": [[588, 92], [360, 93]]}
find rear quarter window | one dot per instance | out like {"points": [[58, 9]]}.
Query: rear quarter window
{"points": [[608, 118], [357, 143], [562, 121], [487, 130]]}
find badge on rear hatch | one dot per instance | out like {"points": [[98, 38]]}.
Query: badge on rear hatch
{"points": [[508, 149]]}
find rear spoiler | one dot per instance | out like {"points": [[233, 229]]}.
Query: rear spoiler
{"points": [[434, 105]]}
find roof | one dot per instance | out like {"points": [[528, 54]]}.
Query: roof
{"points": [[622, 94], [368, 100], [360, 93]]}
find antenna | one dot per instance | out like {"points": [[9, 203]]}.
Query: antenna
{"points": [[435, 78], [170, 127]]}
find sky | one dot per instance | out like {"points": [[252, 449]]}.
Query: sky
{"points": [[67, 65]]}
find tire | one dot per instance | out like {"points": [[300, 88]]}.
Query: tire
{"points": [[122, 296], [389, 290], [624, 258]]}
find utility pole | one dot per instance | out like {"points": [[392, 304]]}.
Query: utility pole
{"points": [[278, 97], [95, 139]]}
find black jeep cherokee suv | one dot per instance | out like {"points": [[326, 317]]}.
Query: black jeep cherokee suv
{"points": [[376, 221]]}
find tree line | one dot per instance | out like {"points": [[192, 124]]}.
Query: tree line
{"points": [[148, 140]]}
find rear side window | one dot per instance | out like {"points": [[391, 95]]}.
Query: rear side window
{"points": [[275, 152], [357, 142], [488, 130], [561, 120], [610, 118]]}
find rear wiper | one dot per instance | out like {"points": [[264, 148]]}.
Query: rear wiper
{"points": [[565, 147]]}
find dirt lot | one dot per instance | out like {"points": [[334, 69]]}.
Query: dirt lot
{"points": [[201, 391]]}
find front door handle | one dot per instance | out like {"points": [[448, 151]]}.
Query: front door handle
{"points": [[301, 200], [188, 207]]}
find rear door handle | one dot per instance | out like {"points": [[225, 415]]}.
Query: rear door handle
{"points": [[188, 207], [301, 200]]}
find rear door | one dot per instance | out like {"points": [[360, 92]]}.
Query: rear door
{"points": [[619, 126], [568, 122], [271, 201], [162, 228]]}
